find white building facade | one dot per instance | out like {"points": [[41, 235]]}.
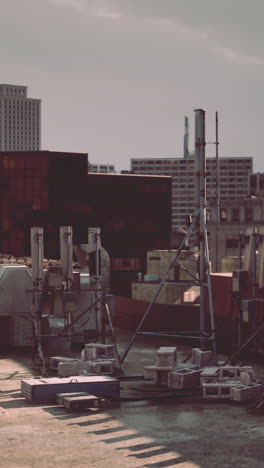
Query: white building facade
{"points": [[101, 168], [20, 119], [234, 174]]}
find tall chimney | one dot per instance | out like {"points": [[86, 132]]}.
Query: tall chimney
{"points": [[186, 153]]}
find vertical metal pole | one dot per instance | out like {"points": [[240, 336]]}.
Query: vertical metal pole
{"points": [[200, 192], [240, 251], [254, 273], [37, 255], [66, 254], [210, 295], [217, 192], [98, 307]]}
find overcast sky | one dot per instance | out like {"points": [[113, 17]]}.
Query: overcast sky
{"points": [[116, 77]]}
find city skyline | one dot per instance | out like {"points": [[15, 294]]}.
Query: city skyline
{"points": [[117, 77]]}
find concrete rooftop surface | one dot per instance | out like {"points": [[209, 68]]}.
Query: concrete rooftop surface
{"points": [[184, 432]]}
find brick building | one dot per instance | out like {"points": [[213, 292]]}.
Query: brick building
{"points": [[51, 189]]}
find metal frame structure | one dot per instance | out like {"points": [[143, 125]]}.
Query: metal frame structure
{"points": [[66, 256], [204, 282]]}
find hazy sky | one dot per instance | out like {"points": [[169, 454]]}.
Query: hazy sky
{"points": [[116, 77]]}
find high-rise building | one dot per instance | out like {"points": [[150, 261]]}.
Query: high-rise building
{"points": [[233, 183], [19, 119]]}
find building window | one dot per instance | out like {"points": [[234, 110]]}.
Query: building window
{"points": [[249, 214], [223, 215], [236, 215]]}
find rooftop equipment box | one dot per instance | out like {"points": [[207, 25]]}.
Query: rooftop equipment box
{"points": [[45, 390]]}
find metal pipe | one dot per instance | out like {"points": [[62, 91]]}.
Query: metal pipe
{"points": [[210, 294], [98, 307], [217, 172], [201, 202], [254, 273], [217, 193], [189, 337], [66, 251]]}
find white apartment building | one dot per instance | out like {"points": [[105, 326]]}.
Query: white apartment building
{"points": [[234, 176], [101, 168], [20, 119]]}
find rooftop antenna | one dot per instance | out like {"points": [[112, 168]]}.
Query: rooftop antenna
{"points": [[217, 191], [206, 333]]}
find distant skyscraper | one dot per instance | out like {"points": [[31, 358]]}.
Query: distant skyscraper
{"points": [[19, 119]]}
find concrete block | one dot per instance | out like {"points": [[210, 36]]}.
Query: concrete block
{"points": [[220, 363], [66, 369], [150, 372], [247, 378], [103, 367], [158, 374], [167, 356], [209, 375], [99, 350], [247, 392], [219, 390], [84, 356], [163, 376], [85, 368], [55, 360], [184, 378], [202, 358], [232, 372]]}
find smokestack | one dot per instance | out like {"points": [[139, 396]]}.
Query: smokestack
{"points": [[186, 153]]}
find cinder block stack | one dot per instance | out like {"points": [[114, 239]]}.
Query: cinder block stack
{"points": [[95, 351], [237, 383], [247, 392], [96, 358], [233, 372], [166, 362], [184, 378], [100, 358], [217, 380], [55, 360], [103, 367]]}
